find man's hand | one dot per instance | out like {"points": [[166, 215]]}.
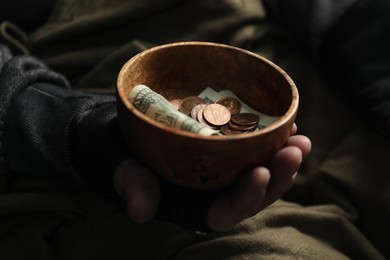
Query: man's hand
{"points": [[255, 191], [260, 187]]}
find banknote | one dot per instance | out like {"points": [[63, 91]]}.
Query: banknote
{"points": [[161, 110], [209, 95]]}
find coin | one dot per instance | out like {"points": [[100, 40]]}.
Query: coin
{"points": [[226, 130], [231, 103], [216, 115], [242, 127], [188, 104], [245, 119], [195, 110], [201, 120], [176, 102]]}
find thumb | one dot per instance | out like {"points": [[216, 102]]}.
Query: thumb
{"points": [[140, 188]]}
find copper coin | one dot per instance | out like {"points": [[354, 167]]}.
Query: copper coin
{"points": [[242, 127], [226, 130], [201, 120], [216, 115], [176, 103], [195, 110], [231, 103], [188, 104], [245, 119]]}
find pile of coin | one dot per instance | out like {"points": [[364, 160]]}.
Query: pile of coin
{"points": [[223, 115]]}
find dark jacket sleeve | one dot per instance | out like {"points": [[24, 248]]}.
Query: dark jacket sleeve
{"points": [[350, 40], [47, 128]]}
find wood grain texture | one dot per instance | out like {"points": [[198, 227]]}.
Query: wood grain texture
{"points": [[184, 69]]}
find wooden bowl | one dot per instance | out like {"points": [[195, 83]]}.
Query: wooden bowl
{"points": [[179, 70]]}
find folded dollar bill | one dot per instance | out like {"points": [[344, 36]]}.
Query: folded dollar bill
{"points": [[161, 110]]}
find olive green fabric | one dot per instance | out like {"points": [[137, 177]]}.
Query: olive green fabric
{"points": [[81, 42], [338, 209]]}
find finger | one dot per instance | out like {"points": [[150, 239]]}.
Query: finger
{"points": [[283, 167], [294, 129], [302, 142], [245, 200], [140, 188]]}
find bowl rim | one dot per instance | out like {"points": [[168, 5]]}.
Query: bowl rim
{"points": [[273, 126]]}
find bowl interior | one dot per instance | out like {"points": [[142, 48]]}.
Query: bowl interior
{"points": [[182, 70]]}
